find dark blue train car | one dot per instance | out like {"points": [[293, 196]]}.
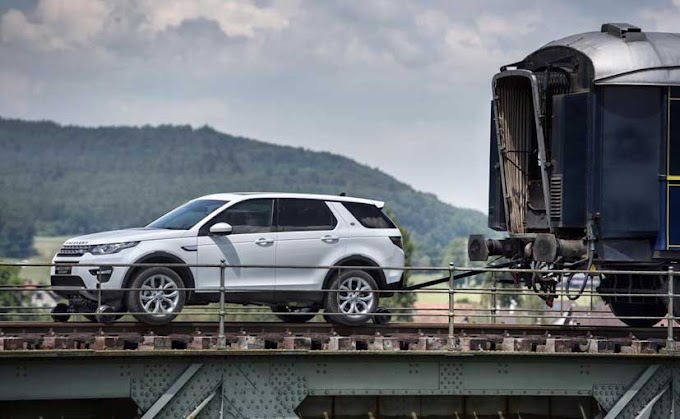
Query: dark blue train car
{"points": [[585, 162]]}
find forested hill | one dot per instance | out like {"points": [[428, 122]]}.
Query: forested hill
{"points": [[69, 180]]}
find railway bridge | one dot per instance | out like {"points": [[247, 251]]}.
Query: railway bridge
{"points": [[273, 370], [491, 361]]}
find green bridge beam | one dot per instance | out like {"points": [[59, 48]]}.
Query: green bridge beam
{"points": [[264, 384]]}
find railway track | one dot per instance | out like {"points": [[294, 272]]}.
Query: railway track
{"points": [[49, 336], [23, 327]]}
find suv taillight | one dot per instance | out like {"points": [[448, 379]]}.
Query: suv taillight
{"points": [[397, 241]]}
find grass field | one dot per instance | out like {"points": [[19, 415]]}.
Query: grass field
{"points": [[436, 294]]}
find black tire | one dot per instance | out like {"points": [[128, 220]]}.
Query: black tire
{"points": [[298, 314], [624, 309], [104, 314], [60, 313], [335, 301], [383, 316], [93, 318], [158, 276]]}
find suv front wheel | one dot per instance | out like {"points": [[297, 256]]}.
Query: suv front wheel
{"points": [[351, 299], [156, 296]]}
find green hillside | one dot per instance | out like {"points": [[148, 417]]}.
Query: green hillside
{"points": [[57, 180]]}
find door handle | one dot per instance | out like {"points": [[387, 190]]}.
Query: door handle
{"points": [[329, 239], [262, 241]]}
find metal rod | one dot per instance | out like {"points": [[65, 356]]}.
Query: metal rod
{"points": [[670, 341], [494, 302], [452, 283], [561, 295], [99, 289], [221, 339], [592, 289]]}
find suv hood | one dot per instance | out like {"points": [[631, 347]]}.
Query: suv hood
{"points": [[127, 235]]}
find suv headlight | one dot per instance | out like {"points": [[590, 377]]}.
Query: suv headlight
{"points": [[107, 249]]}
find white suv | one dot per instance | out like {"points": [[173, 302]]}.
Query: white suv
{"points": [[273, 229]]}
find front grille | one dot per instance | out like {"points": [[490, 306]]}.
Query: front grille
{"points": [[70, 281], [73, 250]]}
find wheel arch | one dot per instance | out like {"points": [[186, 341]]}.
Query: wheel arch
{"points": [[357, 260], [163, 257]]}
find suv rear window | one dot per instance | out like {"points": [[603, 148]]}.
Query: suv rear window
{"points": [[305, 215], [369, 215]]}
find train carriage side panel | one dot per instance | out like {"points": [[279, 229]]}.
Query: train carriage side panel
{"points": [[569, 141], [625, 201]]}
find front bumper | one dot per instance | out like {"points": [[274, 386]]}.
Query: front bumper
{"points": [[80, 276], [73, 286]]}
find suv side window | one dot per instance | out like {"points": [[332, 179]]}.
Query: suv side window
{"points": [[304, 215], [252, 216], [369, 215]]}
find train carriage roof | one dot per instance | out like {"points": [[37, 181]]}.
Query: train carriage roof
{"points": [[619, 54]]}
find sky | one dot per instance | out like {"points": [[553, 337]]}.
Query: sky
{"points": [[402, 86]]}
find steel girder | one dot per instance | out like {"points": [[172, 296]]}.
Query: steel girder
{"points": [[273, 383]]}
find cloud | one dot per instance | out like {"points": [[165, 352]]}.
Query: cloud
{"points": [[404, 86], [16, 92], [55, 24], [663, 19], [510, 25], [67, 24], [235, 19]]}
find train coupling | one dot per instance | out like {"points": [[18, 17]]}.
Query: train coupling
{"points": [[542, 247]]}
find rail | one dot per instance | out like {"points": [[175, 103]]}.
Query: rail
{"points": [[497, 296]]}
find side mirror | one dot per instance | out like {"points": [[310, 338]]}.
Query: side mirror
{"points": [[221, 229]]}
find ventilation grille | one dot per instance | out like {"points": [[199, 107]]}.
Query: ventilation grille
{"points": [[556, 198], [516, 130]]}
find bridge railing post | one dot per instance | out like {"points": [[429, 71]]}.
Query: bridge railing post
{"points": [[452, 337], [494, 297], [221, 339], [670, 340], [99, 290]]}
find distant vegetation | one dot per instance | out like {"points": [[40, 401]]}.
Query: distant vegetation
{"points": [[58, 180]]}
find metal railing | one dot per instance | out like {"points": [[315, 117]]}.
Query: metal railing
{"points": [[491, 300]]}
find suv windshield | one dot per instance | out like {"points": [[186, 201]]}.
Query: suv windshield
{"points": [[186, 216]]}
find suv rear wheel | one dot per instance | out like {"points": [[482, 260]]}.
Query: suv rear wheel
{"points": [[156, 296], [352, 298]]}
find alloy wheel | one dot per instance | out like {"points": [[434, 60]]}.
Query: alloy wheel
{"points": [[355, 297], [159, 295]]}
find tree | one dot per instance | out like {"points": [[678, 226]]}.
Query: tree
{"points": [[456, 252], [403, 300], [9, 277], [16, 232], [48, 172]]}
